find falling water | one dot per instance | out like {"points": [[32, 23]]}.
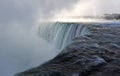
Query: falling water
{"points": [[60, 34]]}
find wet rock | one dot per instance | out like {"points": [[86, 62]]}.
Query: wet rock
{"points": [[111, 69]]}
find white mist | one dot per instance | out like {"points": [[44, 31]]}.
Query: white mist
{"points": [[21, 49]]}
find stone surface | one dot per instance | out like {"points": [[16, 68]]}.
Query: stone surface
{"points": [[97, 54]]}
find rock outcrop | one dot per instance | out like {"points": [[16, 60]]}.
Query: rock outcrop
{"points": [[97, 54]]}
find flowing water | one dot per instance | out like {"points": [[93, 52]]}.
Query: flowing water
{"points": [[60, 34]]}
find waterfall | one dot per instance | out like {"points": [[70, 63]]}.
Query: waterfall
{"points": [[22, 49], [60, 34]]}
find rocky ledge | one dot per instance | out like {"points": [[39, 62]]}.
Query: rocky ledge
{"points": [[97, 54]]}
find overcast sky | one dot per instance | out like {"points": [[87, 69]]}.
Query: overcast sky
{"points": [[30, 10], [92, 7], [27, 11]]}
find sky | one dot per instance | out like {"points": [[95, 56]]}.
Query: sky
{"points": [[18, 21], [92, 7], [29, 11]]}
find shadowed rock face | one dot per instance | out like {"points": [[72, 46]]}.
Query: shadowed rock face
{"points": [[97, 54]]}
